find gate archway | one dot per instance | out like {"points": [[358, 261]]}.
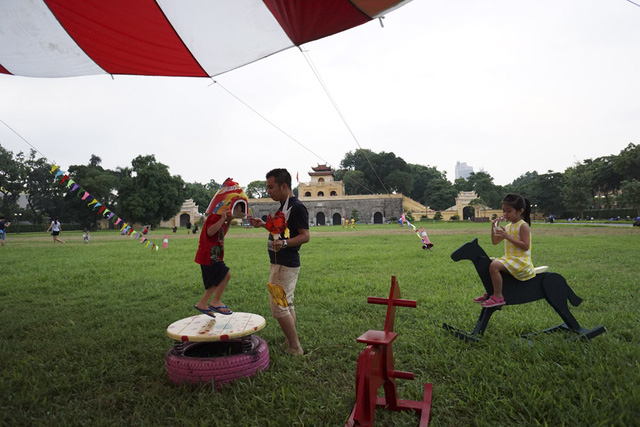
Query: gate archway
{"points": [[184, 218], [468, 212], [320, 219], [377, 218], [337, 219]]}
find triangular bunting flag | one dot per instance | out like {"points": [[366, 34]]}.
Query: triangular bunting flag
{"points": [[72, 185]]}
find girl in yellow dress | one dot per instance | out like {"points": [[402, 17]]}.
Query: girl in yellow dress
{"points": [[517, 247]]}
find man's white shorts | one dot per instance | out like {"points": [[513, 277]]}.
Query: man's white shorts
{"points": [[287, 277]]}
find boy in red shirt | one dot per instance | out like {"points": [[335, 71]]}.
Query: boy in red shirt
{"points": [[210, 256], [229, 202]]}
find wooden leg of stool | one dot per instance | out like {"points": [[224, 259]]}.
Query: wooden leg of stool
{"points": [[367, 384]]}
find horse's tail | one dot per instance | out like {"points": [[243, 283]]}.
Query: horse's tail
{"points": [[557, 285], [574, 299]]}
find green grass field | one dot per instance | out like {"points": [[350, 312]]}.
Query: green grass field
{"points": [[83, 330]]}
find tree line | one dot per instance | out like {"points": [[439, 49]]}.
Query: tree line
{"points": [[147, 193], [601, 183], [143, 193], [604, 183]]}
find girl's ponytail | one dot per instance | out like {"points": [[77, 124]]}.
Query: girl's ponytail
{"points": [[526, 215]]}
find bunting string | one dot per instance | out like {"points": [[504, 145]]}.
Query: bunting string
{"points": [[102, 210]]}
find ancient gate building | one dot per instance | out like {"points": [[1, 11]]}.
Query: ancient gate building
{"points": [[327, 202]]}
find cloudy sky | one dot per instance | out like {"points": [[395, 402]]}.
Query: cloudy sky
{"points": [[508, 86]]}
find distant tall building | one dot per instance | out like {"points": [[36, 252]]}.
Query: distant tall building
{"points": [[463, 170]]}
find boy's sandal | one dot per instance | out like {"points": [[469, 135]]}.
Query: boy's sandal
{"points": [[220, 308], [493, 302], [208, 312], [480, 299]]}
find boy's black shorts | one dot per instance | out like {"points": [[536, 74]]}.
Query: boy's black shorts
{"points": [[213, 274]]}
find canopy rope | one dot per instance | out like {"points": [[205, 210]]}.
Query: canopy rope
{"points": [[256, 112], [25, 140], [307, 57], [326, 90], [267, 120]]}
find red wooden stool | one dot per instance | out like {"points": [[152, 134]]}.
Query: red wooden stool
{"points": [[376, 368]]}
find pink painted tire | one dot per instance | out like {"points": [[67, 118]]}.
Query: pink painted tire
{"points": [[194, 367]]}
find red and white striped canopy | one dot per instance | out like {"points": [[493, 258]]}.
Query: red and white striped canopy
{"points": [[197, 38]]}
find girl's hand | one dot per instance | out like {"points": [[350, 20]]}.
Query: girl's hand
{"points": [[500, 231]]}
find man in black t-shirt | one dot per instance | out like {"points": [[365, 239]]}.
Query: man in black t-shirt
{"points": [[284, 255]]}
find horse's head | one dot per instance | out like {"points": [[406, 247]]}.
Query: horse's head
{"points": [[470, 250]]}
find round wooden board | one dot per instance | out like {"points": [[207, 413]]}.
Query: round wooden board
{"points": [[205, 328]]}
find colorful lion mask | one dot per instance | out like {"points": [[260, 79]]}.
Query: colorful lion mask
{"points": [[229, 197]]}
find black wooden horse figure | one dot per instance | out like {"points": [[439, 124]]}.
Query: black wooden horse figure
{"points": [[550, 286]]}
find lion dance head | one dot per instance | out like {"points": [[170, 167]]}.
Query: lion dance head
{"points": [[230, 197]]}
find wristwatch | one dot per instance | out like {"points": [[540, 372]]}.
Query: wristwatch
{"points": [[284, 243]]}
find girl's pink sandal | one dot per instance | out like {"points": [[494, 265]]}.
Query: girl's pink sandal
{"points": [[480, 299], [493, 302]]}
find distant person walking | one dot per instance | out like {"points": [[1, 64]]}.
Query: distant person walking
{"points": [[402, 220], [188, 227], [3, 229], [55, 229]]}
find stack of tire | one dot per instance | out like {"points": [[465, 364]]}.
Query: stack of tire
{"points": [[193, 362]]}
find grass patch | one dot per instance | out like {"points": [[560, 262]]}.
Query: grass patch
{"points": [[83, 330]]}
